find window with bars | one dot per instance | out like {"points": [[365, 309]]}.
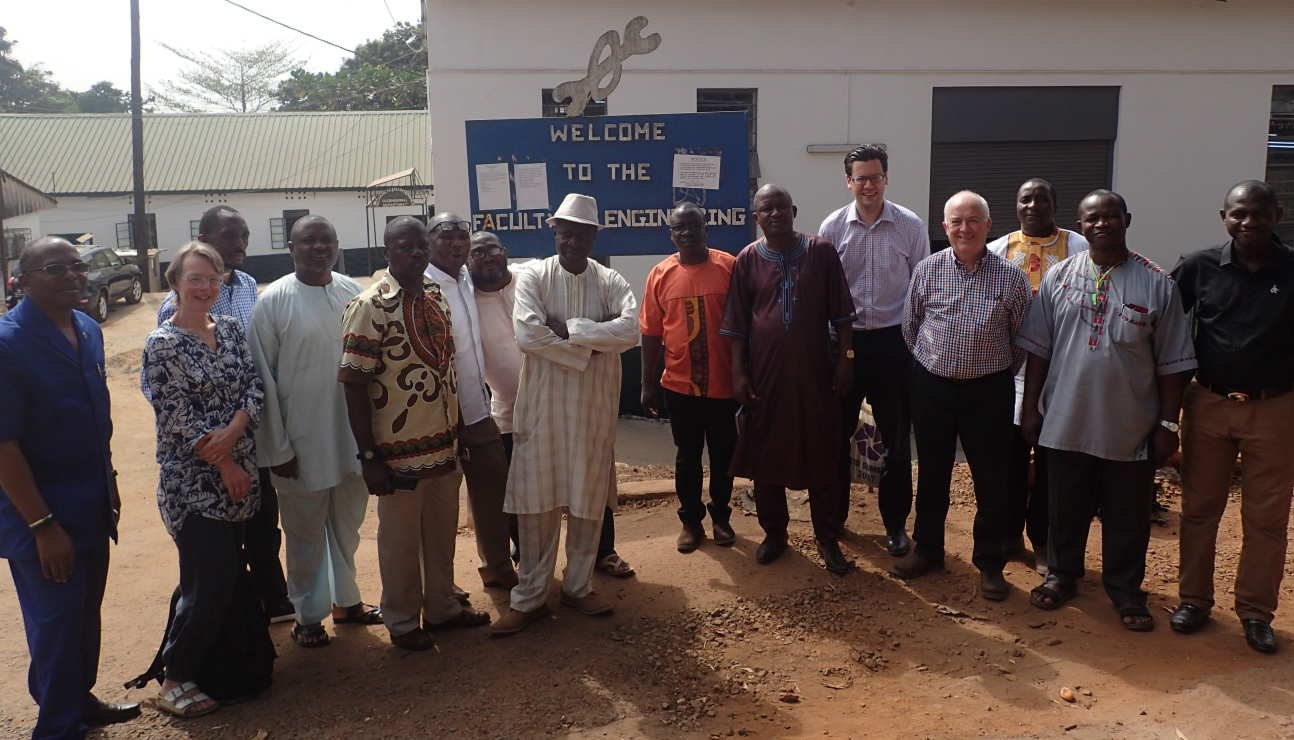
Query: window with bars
{"points": [[736, 99], [1280, 155], [194, 229], [125, 239], [550, 108], [278, 233]]}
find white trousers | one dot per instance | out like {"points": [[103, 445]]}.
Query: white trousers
{"points": [[321, 533], [539, 535]]}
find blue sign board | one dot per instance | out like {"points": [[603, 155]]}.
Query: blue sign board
{"points": [[637, 167]]}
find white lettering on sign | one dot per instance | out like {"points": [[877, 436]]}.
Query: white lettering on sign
{"points": [[582, 171], [582, 133], [639, 172]]}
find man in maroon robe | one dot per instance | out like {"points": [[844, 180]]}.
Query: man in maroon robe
{"points": [[787, 288]]}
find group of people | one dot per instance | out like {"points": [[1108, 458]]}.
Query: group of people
{"points": [[1061, 361]]}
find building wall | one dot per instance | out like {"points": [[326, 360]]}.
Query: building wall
{"points": [[1195, 79], [345, 209]]}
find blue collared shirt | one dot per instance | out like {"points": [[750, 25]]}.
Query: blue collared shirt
{"points": [[55, 401], [236, 299]]}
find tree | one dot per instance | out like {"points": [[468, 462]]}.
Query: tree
{"points": [[102, 97], [26, 90], [389, 73], [242, 81]]}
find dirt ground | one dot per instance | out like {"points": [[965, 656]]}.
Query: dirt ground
{"points": [[706, 645]]}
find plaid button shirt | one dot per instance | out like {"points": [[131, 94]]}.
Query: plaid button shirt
{"points": [[961, 322]]}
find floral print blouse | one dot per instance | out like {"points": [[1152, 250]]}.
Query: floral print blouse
{"points": [[196, 390]]}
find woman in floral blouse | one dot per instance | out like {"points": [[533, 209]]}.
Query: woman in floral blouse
{"points": [[208, 399]]}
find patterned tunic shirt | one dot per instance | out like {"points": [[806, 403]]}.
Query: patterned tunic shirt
{"points": [[196, 390], [403, 346], [960, 322]]}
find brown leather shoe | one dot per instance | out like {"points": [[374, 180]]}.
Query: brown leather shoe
{"points": [[504, 580], [590, 606], [513, 621], [690, 538], [415, 639], [723, 534]]}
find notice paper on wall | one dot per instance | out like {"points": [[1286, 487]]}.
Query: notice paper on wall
{"points": [[696, 171], [492, 190], [532, 186]]}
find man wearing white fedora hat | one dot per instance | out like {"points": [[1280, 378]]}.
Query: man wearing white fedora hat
{"points": [[573, 317]]}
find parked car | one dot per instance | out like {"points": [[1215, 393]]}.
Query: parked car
{"points": [[109, 278]]}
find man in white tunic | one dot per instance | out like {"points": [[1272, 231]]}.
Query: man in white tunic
{"points": [[305, 439], [573, 318]]}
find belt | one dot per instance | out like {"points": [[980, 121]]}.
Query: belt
{"points": [[1244, 396]]}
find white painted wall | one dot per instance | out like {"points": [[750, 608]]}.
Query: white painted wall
{"points": [[1196, 79], [100, 215]]}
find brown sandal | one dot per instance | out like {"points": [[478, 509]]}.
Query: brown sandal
{"points": [[463, 620], [360, 613]]}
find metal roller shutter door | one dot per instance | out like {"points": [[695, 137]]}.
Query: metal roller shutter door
{"points": [[996, 170]]}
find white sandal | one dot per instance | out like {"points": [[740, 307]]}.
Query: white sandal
{"points": [[614, 565], [182, 698]]}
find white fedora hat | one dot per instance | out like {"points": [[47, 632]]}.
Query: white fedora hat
{"points": [[580, 209]]}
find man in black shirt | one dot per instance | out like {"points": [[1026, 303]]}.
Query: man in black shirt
{"points": [[1240, 295]]}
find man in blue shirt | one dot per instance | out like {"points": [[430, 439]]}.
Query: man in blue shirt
{"points": [[58, 494]]}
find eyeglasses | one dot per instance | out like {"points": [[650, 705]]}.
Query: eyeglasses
{"points": [[491, 251], [59, 269], [452, 226], [193, 281], [873, 179]]}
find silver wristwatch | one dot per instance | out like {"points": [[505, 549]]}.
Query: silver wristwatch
{"points": [[1171, 426]]}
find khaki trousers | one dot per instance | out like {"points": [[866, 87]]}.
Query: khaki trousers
{"points": [[486, 470], [1215, 429], [415, 553]]}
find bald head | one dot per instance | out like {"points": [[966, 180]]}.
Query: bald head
{"points": [[36, 254], [311, 221], [399, 225], [1256, 191], [772, 189], [775, 212], [966, 198]]}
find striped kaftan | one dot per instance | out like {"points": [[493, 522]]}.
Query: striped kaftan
{"points": [[564, 422]]}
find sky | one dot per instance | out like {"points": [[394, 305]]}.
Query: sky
{"points": [[84, 41]]}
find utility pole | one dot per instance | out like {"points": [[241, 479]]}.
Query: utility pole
{"points": [[140, 236], [4, 244]]}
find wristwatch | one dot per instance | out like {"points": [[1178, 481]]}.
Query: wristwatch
{"points": [[367, 455], [1171, 426], [849, 354]]}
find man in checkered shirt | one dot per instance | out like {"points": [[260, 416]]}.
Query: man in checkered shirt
{"points": [[963, 310]]}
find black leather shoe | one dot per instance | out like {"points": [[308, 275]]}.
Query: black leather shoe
{"points": [[1259, 635], [1188, 618], [99, 713], [834, 558], [723, 534], [993, 586], [770, 549], [898, 543]]}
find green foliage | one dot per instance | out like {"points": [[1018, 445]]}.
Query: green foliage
{"points": [[389, 73], [30, 89]]}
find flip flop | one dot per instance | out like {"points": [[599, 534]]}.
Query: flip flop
{"points": [[311, 636], [614, 565], [186, 701], [1051, 595], [360, 613], [1136, 617]]}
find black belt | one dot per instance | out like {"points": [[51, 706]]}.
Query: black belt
{"points": [[1241, 396]]}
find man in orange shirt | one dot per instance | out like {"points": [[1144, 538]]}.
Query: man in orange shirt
{"points": [[682, 310]]}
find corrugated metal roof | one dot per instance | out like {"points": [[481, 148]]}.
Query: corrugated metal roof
{"points": [[86, 153], [21, 198]]}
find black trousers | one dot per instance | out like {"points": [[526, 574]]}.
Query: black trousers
{"points": [[978, 412], [697, 422], [882, 371], [1026, 508], [1080, 485], [261, 543], [607, 543], [774, 517], [210, 561]]}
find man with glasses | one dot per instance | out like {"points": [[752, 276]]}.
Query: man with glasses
{"points": [[225, 230], [683, 306], [879, 243], [58, 491], [482, 457]]}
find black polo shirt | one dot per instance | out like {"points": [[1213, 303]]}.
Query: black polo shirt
{"points": [[1243, 321]]}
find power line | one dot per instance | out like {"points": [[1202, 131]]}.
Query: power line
{"points": [[388, 11], [290, 28]]}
